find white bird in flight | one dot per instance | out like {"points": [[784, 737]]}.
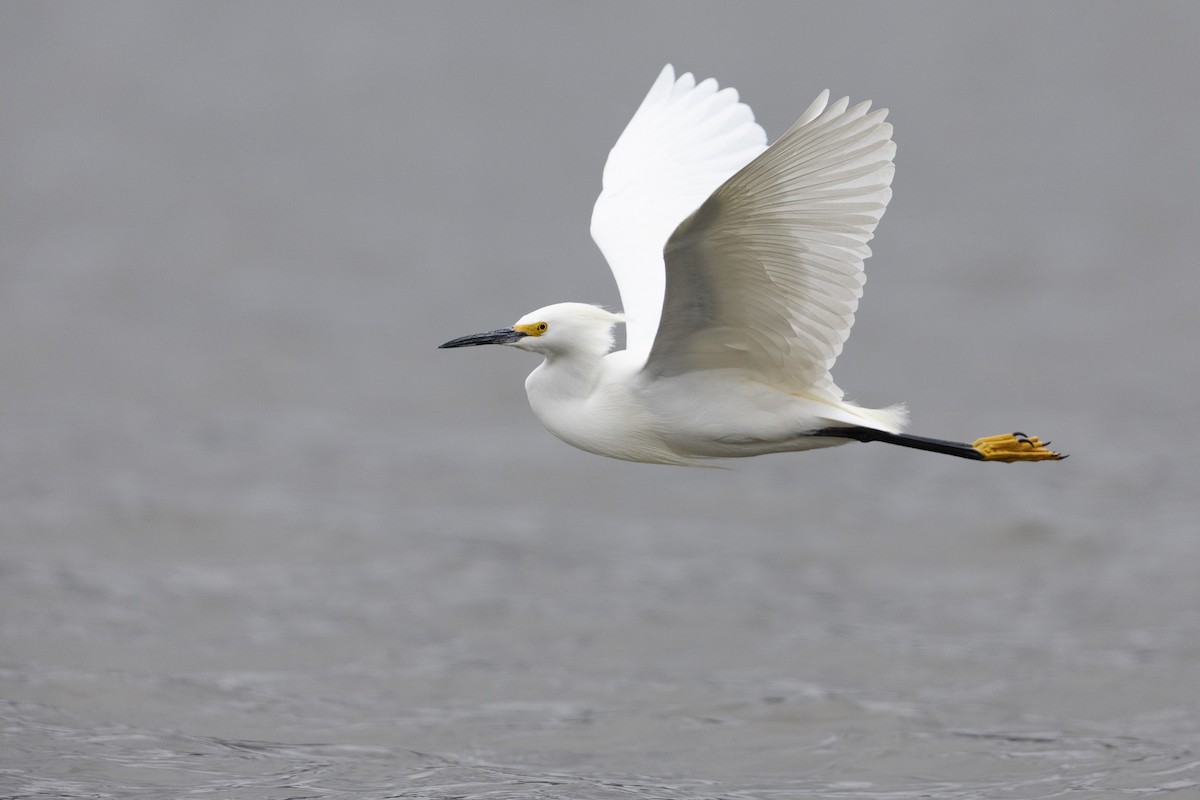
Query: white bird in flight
{"points": [[740, 267]]}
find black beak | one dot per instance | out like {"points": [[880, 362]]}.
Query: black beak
{"points": [[502, 336]]}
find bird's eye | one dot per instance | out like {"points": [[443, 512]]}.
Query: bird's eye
{"points": [[541, 327]]}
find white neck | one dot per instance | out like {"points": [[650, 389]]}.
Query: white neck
{"points": [[565, 376]]}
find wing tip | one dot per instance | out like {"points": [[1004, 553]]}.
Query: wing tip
{"points": [[814, 109]]}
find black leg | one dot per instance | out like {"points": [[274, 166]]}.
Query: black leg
{"points": [[1014, 447]]}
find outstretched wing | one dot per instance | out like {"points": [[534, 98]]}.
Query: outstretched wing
{"points": [[766, 275], [682, 143]]}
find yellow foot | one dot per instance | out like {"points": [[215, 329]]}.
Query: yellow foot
{"points": [[1015, 447]]}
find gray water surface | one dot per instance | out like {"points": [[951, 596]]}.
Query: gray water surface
{"points": [[260, 539]]}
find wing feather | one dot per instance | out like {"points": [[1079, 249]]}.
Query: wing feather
{"points": [[766, 275], [684, 140]]}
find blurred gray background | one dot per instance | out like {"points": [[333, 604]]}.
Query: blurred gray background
{"points": [[260, 536]]}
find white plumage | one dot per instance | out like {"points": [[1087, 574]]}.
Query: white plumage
{"points": [[740, 267]]}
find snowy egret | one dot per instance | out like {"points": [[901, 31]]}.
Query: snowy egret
{"points": [[740, 267]]}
